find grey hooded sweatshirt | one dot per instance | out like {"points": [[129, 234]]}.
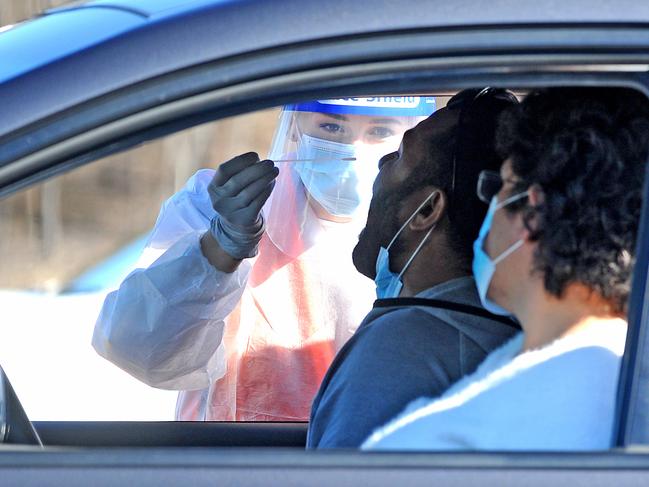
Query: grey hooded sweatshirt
{"points": [[399, 354]]}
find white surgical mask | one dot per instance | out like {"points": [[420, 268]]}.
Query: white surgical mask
{"points": [[339, 186], [483, 266], [388, 283]]}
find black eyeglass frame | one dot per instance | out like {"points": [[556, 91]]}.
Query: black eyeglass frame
{"points": [[483, 190], [490, 183]]}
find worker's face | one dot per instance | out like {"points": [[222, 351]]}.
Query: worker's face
{"points": [[389, 206], [352, 129], [336, 189]]}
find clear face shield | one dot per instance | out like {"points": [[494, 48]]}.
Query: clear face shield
{"points": [[327, 152]]}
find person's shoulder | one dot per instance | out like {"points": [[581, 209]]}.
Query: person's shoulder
{"points": [[404, 324], [408, 317], [578, 364], [394, 342], [578, 372]]}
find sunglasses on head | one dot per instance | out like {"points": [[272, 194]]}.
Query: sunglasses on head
{"points": [[464, 102]]}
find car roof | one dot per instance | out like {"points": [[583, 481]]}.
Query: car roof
{"points": [[344, 15], [147, 8], [87, 49]]}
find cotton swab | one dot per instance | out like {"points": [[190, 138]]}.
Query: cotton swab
{"points": [[320, 159]]}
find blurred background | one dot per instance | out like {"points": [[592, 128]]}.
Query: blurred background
{"points": [[65, 243], [55, 232], [12, 11]]}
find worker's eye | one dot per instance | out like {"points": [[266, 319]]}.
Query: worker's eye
{"points": [[379, 133], [332, 128]]}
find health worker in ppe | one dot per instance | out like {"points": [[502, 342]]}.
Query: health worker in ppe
{"points": [[246, 289]]}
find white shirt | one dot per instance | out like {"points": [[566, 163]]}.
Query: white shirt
{"points": [[559, 397]]}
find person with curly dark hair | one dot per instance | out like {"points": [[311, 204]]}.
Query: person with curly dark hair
{"points": [[556, 250]]}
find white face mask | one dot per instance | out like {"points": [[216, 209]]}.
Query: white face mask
{"points": [[339, 186], [484, 266]]}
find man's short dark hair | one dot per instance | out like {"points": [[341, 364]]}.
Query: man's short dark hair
{"points": [[456, 157], [587, 150]]}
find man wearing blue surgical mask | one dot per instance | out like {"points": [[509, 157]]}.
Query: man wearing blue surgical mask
{"points": [[427, 329]]}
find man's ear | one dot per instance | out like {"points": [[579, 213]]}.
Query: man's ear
{"points": [[433, 210]]}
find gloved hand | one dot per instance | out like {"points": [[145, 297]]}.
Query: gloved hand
{"points": [[238, 191]]}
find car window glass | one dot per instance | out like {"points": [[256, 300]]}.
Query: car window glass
{"points": [[109, 304], [68, 241], [112, 298]]}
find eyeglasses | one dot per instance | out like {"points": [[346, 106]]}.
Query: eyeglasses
{"points": [[489, 185]]}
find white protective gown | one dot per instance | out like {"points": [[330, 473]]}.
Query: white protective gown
{"points": [[248, 346]]}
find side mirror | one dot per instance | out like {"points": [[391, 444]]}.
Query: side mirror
{"points": [[15, 427]]}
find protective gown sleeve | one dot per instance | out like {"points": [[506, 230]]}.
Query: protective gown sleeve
{"points": [[164, 325]]}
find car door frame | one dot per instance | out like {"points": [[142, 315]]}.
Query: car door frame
{"points": [[542, 64]]}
